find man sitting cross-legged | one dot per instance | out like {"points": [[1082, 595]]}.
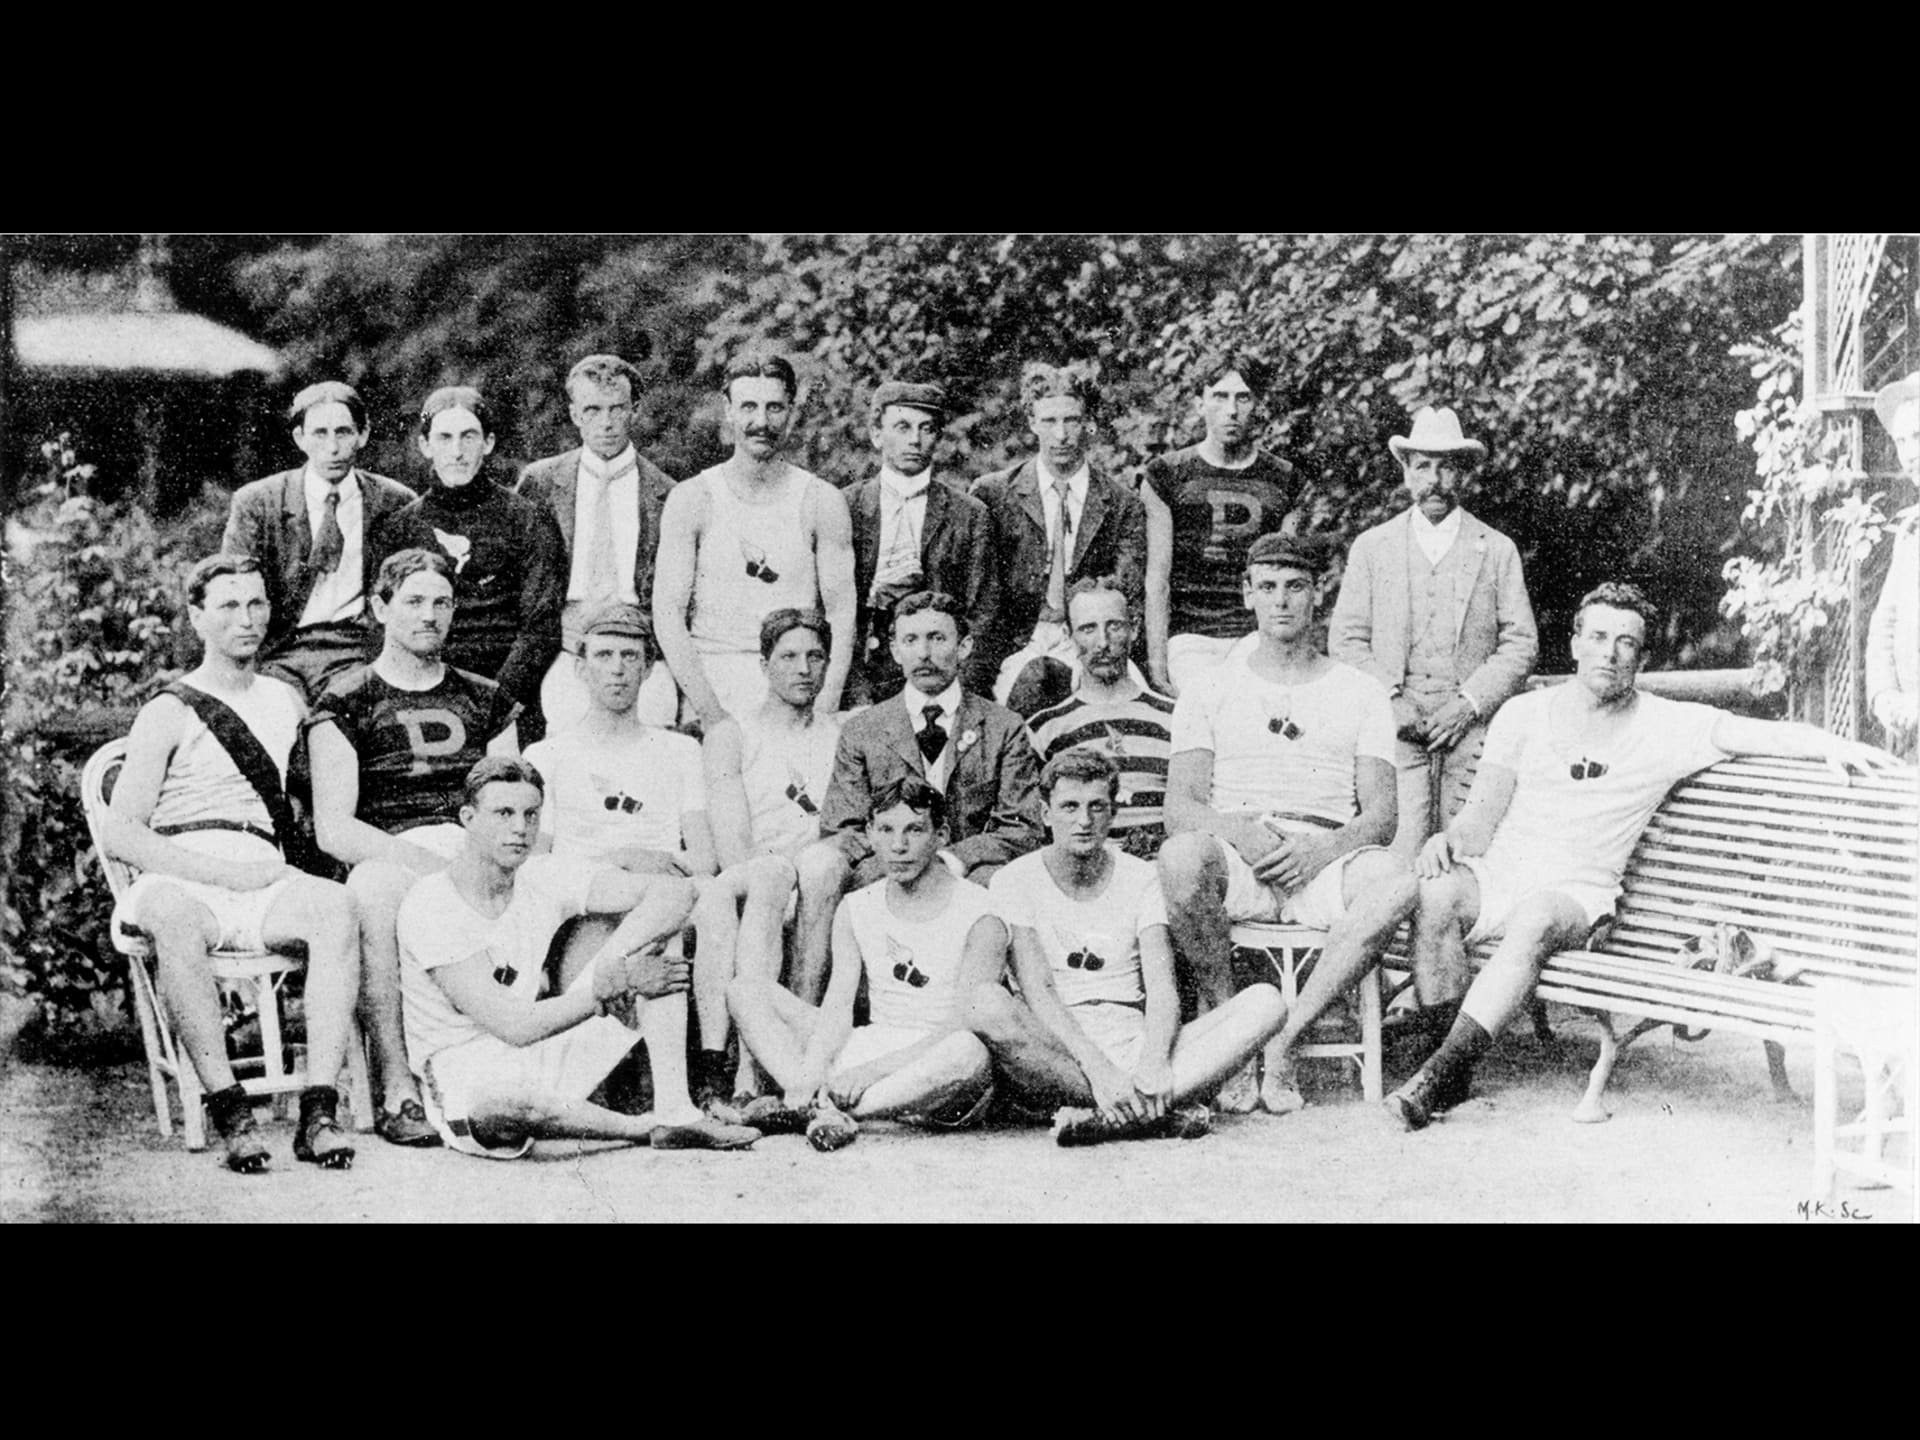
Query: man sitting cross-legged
{"points": [[924, 940], [1280, 793], [1569, 779], [391, 744], [766, 773], [1099, 1022], [502, 1067], [201, 811]]}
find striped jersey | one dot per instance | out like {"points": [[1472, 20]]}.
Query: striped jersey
{"points": [[1137, 734]]}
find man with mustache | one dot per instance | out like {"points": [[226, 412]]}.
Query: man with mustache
{"points": [[1112, 713], [912, 530], [310, 530], [750, 536], [392, 743], [1097, 1029], [973, 751], [1434, 607], [1053, 521], [606, 498], [509, 563]]}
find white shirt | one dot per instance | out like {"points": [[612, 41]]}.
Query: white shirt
{"points": [[1077, 484], [903, 520], [949, 702], [1435, 540], [623, 496], [1106, 928], [340, 594], [654, 781]]}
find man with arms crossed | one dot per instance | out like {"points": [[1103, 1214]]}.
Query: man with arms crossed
{"points": [[193, 816], [1205, 505], [391, 744], [766, 773], [750, 536], [1279, 801], [309, 529], [1098, 1023], [502, 1067], [924, 940], [1569, 779], [606, 498]]}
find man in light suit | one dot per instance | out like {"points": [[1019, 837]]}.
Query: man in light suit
{"points": [[1053, 521], [1893, 636], [912, 530], [1433, 606], [308, 530], [974, 751], [607, 498]]}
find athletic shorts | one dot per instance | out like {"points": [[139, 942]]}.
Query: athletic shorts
{"points": [[239, 915], [868, 1043], [569, 1065], [1319, 906], [1500, 896], [1118, 1030]]}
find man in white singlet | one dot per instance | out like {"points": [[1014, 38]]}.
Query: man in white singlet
{"points": [[924, 939], [750, 536], [766, 772], [1098, 1021], [1569, 779], [207, 839]]}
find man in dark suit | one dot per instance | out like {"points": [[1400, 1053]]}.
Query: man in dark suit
{"points": [[972, 750], [912, 530], [1053, 521], [308, 530], [607, 499]]}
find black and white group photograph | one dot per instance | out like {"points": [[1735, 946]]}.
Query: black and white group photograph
{"points": [[920, 728]]}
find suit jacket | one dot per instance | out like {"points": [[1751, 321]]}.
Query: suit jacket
{"points": [[956, 556], [268, 520], [1495, 639], [553, 483], [1111, 540], [993, 786]]}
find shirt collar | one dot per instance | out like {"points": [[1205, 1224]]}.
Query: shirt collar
{"points": [[316, 488], [605, 469], [902, 486], [948, 700], [1445, 530], [1076, 483]]}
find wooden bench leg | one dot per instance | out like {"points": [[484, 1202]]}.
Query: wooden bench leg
{"points": [[1590, 1111], [1777, 1072], [1826, 1104], [1542, 1027]]}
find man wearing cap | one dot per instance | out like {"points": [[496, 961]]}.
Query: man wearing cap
{"points": [[620, 791], [1893, 638], [1280, 801], [308, 528], [912, 530], [1433, 606], [1053, 521], [607, 499], [1205, 505], [749, 536]]}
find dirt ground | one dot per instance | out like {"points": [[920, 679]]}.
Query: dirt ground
{"points": [[1696, 1136]]}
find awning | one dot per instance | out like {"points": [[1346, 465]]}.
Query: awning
{"points": [[161, 342]]}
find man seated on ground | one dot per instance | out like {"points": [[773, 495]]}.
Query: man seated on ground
{"points": [[391, 744], [1280, 799], [1569, 779], [501, 1067], [766, 773], [200, 810], [973, 751], [923, 939], [1113, 713], [620, 791], [1098, 1021]]}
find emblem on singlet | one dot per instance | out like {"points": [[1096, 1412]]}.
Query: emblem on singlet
{"points": [[904, 969], [1236, 518], [458, 547], [432, 734]]}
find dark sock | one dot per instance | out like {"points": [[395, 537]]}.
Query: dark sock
{"points": [[712, 1068], [226, 1107], [318, 1100], [1466, 1042]]}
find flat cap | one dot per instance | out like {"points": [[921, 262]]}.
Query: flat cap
{"points": [[931, 398], [618, 620]]}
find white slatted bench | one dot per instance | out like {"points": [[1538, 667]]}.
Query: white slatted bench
{"points": [[1824, 873]]}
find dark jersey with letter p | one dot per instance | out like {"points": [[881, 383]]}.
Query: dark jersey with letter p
{"points": [[415, 746], [1217, 515]]}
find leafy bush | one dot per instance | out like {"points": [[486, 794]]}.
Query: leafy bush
{"points": [[91, 633]]}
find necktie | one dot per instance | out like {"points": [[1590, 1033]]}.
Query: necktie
{"points": [[328, 546], [932, 737], [1057, 565], [602, 583]]}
